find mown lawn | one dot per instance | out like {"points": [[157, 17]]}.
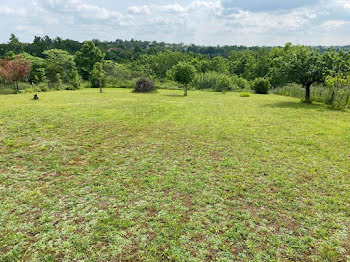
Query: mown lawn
{"points": [[155, 177]]}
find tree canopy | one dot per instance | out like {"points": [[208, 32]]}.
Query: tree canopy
{"points": [[87, 57]]}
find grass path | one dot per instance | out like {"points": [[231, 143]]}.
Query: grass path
{"points": [[154, 177]]}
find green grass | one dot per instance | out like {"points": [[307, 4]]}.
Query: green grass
{"points": [[120, 176]]}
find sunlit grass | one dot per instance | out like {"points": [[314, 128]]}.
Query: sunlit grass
{"points": [[122, 176]]}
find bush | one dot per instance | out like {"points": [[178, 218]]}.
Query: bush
{"points": [[220, 82], [261, 86], [244, 94], [212, 80], [240, 82], [144, 85], [339, 92], [43, 87], [75, 81]]}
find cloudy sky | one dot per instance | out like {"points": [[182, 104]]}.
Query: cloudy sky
{"points": [[206, 22]]}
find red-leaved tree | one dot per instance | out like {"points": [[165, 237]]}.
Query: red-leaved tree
{"points": [[14, 70]]}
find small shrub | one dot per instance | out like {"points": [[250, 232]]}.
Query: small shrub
{"points": [[261, 86], [244, 94], [144, 85]]}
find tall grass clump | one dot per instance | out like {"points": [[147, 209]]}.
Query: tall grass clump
{"points": [[219, 82], [213, 81]]}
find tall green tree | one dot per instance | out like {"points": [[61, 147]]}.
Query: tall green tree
{"points": [[305, 66], [14, 44], [87, 57], [59, 62], [184, 74]]}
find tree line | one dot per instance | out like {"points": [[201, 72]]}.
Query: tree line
{"points": [[60, 62]]}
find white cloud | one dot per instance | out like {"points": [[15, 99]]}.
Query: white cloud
{"points": [[79, 8], [5, 10], [140, 10], [201, 22], [270, 21], [344, 3], [334, 24]]}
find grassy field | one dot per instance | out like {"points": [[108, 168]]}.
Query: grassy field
{"points": [[120, 176]]}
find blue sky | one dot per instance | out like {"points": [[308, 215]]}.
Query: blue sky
{"points": [[205, 22]]}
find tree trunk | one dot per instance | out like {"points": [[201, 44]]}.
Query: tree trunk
{"points": [[331, 100], [16, 87], [100, 87], [307, 93], [185, 90]]}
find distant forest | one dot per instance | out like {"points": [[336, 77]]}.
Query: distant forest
{"points": [[130, 50]]}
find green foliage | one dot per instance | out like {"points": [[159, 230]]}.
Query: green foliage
{"points": [[59, 62], [212, 80], [336, 63], [144, 85], [75, 81], [217, 64], [277, 74], [58, 82], [184, 73], [87, 57], [339, 91], [118, 75], [301, 65], [261, 86], [220, 68], [97, 77], [38, 65], [10, 55], [42, 87], [318, 92], [240, 82], [304, 65], [250, 64], [244, 94], [24, 87], [219, 82], [159, 64]]}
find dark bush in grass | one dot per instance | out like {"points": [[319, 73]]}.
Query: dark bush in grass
{"points": [[261, 86], [144, 85]]}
